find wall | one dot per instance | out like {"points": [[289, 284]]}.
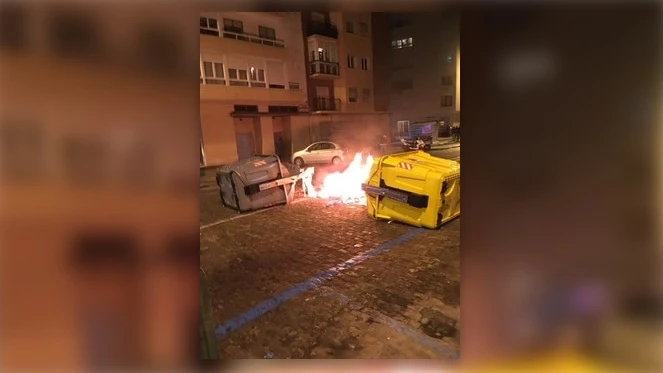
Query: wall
{"points": [[218, 132], [359, 46], [435, 38], [287, 27], [381, 61]]}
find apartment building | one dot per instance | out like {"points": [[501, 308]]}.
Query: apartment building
{"points": [[424, 75], [252, 85], [341, 90]]}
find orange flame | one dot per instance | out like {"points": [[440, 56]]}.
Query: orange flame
{"points": [[345, 185]]}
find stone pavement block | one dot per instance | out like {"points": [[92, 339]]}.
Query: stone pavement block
{"points": [[402, 303], [328, 328], [253, 258], [211, 208]]}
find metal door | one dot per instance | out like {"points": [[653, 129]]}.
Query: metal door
{"points": [[245, 145]]}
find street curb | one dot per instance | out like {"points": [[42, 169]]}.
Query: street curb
{"points": [[445, 147]]}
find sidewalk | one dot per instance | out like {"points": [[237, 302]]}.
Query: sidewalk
{"points": [[444, 143]]}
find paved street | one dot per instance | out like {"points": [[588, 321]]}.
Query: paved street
{"points": [[314, 280]]}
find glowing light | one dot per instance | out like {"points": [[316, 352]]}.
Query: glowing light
{"points": [[345, 185]]}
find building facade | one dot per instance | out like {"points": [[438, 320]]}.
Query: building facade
{"points": [[341, 90], [252, 85], [424, 58], [274, 82]]}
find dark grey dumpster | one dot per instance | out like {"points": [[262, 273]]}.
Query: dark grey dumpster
{"points": [[240, 183]]}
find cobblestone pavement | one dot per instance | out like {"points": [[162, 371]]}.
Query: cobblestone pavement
{"points": [[313, 280]]}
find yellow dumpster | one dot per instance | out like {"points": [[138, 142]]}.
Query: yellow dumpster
{"points": [[414, 188]]}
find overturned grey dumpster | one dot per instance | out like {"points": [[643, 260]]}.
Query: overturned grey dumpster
{"points": [[256, 183]]}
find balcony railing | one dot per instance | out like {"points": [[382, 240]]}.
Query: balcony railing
{"points": [[323, 67], [244, 36], [321, 28], [326, 104]]}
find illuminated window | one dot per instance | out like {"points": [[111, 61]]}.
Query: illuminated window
{"points": [[402, 43]]}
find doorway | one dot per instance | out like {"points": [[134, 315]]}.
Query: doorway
{"points": [[245, 145]]}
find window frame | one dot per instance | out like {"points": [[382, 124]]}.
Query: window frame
{"points": [[261, 28], [351, 61], [351, 28], [350, 96], [233, 27], [215, 77], [447, 103], [238, 81], [364, 63], [402, 43]]}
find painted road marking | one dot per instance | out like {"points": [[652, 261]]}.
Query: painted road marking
{"points": [[435, 345], [247, 214], [262, 308]]}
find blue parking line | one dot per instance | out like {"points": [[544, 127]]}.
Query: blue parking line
{"points": [[262, 308]]}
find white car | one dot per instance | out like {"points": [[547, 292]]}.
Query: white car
{"points": [[319, 152]]}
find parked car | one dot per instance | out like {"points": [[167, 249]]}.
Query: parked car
{"points": [[320, 152], [410, 144]]}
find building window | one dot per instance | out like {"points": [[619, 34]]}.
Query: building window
{"points": [[232, 25], [363, 28], [403, 126], [257, 77], [402, 43], [351, 61], [293, 86], [364, 63], [246, 108], [352, 94], [238, 77], [349, 27], [366, 95], [447, 101], [213, 73], [447, 80], [209, 26], [266, 32]]}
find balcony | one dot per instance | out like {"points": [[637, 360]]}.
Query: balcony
{"points": [[244, 36], [321, 28], [326, 104], [323, 69]]}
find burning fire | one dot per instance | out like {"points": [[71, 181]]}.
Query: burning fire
{"points": [[344, 186]]}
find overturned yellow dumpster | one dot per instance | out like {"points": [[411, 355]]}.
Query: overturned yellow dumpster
{"points": [[414, 188]]}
